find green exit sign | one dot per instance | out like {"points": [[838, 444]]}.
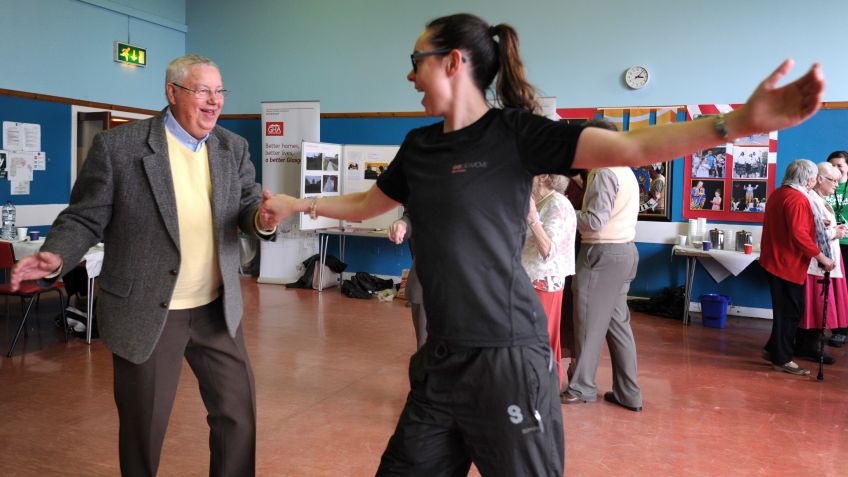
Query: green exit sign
{"points": [[129, 54]]}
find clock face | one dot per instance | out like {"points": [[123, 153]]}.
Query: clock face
{"points": [[636, 77]]}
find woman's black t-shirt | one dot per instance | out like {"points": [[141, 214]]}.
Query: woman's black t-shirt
{"points": [[470, 190]]}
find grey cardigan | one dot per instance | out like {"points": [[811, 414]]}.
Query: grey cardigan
{"points": [[124, 197]]}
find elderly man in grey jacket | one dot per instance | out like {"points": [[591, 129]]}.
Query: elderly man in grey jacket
{"points": [[167, 196]]}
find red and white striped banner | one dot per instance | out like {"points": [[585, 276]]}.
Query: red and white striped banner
{"points": [[694, 111]]}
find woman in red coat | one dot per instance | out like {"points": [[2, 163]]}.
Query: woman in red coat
{"points": [[791, 237]]}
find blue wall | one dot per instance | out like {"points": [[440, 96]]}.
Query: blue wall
{"points": [[52, 185], [822, 134]]}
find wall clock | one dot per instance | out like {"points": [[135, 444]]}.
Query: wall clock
{"points": [[636, 77]]}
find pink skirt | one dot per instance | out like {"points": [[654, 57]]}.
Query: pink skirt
{"points": [[837, 303], [552, 303]]}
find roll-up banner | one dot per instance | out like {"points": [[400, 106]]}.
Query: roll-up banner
{"points": [[285, 125]]}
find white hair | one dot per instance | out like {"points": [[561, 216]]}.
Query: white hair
{"points": [[178, 68], [826, 168], [799, 172]]}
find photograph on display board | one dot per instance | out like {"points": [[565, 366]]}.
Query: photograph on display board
{"points": [[374, 169], [654, 200], [703, 195], [749, 196], [3, 173], [331, 184], [750, 162], [314, 161], [331, 163], [709, 163], [715, 200], [312, 184]]}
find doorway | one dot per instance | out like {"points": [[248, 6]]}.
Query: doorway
{"points": [[87, 123]]}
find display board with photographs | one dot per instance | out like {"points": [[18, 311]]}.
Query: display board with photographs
{"points": [[329, 170], [319, 178], [730, 181], [362, 166]]}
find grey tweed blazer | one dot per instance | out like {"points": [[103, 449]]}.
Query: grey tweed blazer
{"points": [[124, 197]]}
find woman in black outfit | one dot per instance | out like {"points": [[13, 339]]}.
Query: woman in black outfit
{"points": [[484, 388]]}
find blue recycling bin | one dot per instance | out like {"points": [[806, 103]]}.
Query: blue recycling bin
{"points": [[714, 310]]}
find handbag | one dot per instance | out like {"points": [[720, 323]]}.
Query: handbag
{"points": [[330, 278], [311, 278]]}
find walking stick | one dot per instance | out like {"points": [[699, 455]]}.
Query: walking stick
{"points": [[825, 333]]}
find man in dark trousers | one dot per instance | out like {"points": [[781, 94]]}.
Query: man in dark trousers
{"points": [[167, 196]]}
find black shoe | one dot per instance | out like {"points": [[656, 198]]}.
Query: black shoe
{"points": [[837, 341], [609, 396], [568, 398]]}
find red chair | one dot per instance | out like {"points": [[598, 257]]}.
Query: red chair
{"points": [[28, 292]]}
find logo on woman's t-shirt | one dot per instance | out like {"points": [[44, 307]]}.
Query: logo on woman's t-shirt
{"points": [[460, 168]]}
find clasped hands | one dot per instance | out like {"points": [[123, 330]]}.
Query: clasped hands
{"points": [[275, 208]]}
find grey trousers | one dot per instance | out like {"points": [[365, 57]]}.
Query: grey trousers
{"points": [[415, 296], [604, 273]]}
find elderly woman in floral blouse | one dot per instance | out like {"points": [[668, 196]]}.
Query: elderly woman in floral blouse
{"points": [[548, 254]]}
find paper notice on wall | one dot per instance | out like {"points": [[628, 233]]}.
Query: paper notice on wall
{"points": [[32, 137], [39, 161], [21, 136], [20, 188], [13, 136], [20, 166]]}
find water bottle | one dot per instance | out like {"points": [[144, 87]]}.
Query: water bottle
{"points": [[9, 213]]}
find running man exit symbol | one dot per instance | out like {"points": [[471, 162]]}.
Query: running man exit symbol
{"points": [[130, 55]]}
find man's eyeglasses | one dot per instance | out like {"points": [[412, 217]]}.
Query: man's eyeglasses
{"points": [[421, 54], [204, 92], [832, 180]]}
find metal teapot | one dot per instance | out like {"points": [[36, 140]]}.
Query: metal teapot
{"points": [[743, 237], [717, 239]]}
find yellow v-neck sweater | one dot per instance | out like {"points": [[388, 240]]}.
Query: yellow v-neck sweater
{"points": [[199, 279]]}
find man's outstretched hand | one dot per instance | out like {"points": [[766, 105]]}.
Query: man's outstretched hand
{"points": [[34, 267]]}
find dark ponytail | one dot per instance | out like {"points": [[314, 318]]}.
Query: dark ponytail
{"points": [[488, 57], [512, 87]]}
